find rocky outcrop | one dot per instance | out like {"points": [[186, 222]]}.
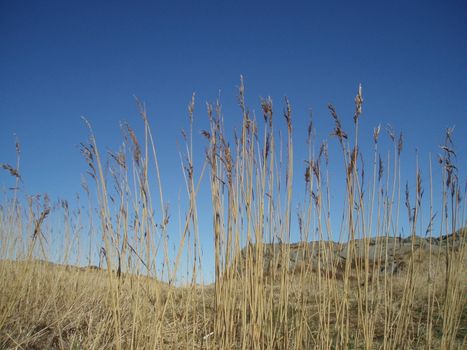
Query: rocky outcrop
{"points": [[385, 254]]}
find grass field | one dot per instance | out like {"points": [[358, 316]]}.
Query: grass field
{"points": [[371, 289]]}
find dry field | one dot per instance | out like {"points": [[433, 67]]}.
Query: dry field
{"points": [[371, 289]]}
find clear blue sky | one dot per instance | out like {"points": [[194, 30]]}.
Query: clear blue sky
{"points": [[60, 60]]}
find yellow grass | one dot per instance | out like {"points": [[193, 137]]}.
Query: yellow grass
{"points": [[359, 293]]}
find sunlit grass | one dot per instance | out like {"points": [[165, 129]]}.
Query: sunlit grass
{"points": [[371, 290]]}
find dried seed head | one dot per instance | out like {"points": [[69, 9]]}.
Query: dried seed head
{"points": [[307, 173], [419, 188], [391, 132], [400, 144], [358, 103], [87, 152], [189, 169], [315, 198], [209, 110], [141, 109], [13, 171], [206, 134], [449, 132], [267, 147], [407, 201], [341, 135], [376, 133], [228, 162], [136, 146], [448, 150], [266, 105], [310, 126], [17, 146], [119, 158], [191, 108], [38, 223], [380, 169], [323, 151], [288, 114], [316, 170], [241, 94], [353, 160], [447, 161]]}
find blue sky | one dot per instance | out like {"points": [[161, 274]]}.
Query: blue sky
{"points": [[63, 60]]}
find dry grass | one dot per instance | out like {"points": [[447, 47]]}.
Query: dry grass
{"points": [[361, 292]]}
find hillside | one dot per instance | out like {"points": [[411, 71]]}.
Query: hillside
{"points": [[386, 254]]}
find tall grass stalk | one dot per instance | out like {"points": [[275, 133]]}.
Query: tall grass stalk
{"points": [[278, 283]]}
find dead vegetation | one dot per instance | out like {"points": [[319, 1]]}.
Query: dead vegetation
{"points": [[370, 290]]}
